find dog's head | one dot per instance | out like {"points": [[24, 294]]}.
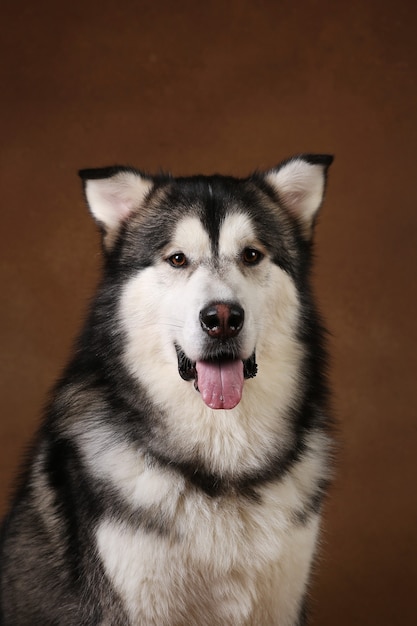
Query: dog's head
{"points": [[211, 270]]}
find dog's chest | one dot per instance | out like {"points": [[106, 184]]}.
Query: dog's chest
{"points": [[196, 559]]}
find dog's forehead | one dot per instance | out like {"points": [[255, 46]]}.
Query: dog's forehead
{"points": [[217, 214], [235, 231], [205, 217]]}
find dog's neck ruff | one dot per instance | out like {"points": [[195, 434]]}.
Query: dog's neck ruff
{"points": [[220, 381]]}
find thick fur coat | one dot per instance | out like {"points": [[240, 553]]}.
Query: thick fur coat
{"points": [[178, 475]]}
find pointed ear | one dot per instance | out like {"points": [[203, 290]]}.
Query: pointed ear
{"points": [[112, 194], [300, 184]]}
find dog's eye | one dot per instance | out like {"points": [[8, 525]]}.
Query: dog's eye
{"points": [[251, 256], [178, 260]]}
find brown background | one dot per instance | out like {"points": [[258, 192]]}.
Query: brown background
{"points": [[230, 87]]}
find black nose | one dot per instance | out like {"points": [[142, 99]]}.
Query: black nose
{"points": [[222, 320]]}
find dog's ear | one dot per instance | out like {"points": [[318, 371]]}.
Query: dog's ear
{"points": [[112, 194], [300, 183]]}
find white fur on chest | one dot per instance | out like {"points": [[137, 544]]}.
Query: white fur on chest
{"points": [[226, 560]]}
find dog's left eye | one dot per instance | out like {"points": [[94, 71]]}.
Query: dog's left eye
{"points": [[251, 256], [178, 260]]}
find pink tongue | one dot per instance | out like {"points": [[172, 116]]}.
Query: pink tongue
{"points": [[220, 384]]}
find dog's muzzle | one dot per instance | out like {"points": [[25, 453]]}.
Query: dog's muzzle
{"points": [[219, 374]]}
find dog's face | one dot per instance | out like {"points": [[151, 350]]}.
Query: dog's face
{"points": [[204, 308], [214, 266]]}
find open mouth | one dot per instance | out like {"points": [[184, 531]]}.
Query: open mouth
{"points": [[220, 381]]}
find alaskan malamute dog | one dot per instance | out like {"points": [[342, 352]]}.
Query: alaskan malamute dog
{"points": [[179, 473]]}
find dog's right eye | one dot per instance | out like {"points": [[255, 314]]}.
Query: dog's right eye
{"points": [[178, 260]]}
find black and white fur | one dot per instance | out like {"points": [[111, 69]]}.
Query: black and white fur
{"points": [[140, 503]]}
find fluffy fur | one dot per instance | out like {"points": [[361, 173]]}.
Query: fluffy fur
{"points": [[179, 472]]}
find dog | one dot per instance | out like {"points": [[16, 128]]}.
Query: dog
{"points": [[179, 473]]}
